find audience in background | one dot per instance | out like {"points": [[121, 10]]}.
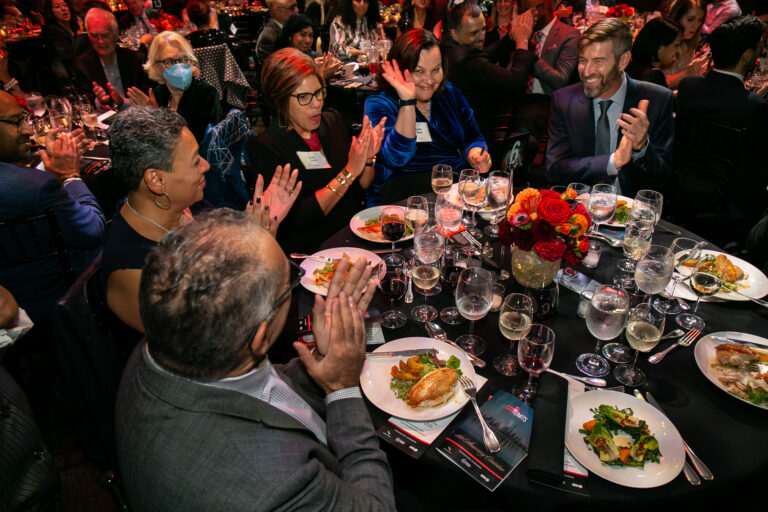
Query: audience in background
{"points": [[298, 32], [690, 14], [136, 18], [204, 17], [416, 14], [497, 24], [60, 31], [656, 47], [279, 12], [357, 21]]}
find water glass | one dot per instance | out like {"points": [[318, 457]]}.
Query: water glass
{"points": [[606, 316], [497, 193], [650, 199], [601, 204], [455, 259], [474, 296], [472, 192], [582, 192], [654, 270], [685, 256]]}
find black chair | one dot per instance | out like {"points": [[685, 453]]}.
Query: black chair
{"points": [[708, 156]]}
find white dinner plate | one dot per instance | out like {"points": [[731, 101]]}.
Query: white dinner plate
{"points": [[757, 283], [315, 262], [652, 474], [704, 352], [359, 220], [630, 202], [375, 379]]}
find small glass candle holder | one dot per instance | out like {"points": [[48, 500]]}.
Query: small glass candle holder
{"points": [[593, 256], [498, 297]]}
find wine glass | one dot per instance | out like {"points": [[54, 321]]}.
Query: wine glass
{"points": [[652, 200], [90, 118], [454, 261], [392, 225], [582, 192], [428, 245], [36, 104], [447, 213], [534, 354], [472, 193], [416, 213], [496, 192], [654, 270], [705, 280], [515, 318], [606, 315], [442, 178], [474, 297], [637, 240], [685, 255], [644, 328], [601, 204], [392, 284]]}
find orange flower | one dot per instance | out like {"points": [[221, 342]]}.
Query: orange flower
{"points": [[583, 246], [570, 194], [529, 199], [513, 209], [564, 229], [580, 222]]}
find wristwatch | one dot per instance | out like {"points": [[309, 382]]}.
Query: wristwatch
{"points": [[406, 103]]}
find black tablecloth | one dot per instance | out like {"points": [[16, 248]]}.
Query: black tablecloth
{"points": [[729, 435]]}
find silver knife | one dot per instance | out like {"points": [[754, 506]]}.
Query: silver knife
{"points": [[725, 339], [702, 468], [400, 353], [384, 251]]}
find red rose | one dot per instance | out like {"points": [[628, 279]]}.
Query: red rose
{"points": [[582, 211], [550, 251], [549, 193], [522, 239], [570, 257], [542, 231], [555, 211], [505, 236]]}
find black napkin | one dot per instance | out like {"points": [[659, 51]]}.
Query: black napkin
{"points": [[545, 453]]}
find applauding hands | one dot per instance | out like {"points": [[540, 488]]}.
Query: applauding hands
{"points": [[634, 131], [271, 206]]}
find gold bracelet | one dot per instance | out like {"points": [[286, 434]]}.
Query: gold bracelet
{"points": [[334, 191], [341, 180], [348, 175]]}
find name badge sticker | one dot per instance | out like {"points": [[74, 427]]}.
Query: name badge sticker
{"points": [[313, 160], [422, 133]]}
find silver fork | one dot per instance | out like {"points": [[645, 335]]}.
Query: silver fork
{"points": [[685, 341], [474, 241], [750, 367], [489, 438]]}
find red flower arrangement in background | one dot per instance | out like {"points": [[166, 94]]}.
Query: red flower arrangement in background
{"points": [[165, 22], [548, 223], [620, 11]]}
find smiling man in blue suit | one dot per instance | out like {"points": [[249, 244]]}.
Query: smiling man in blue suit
{"points": [[610, 128]]}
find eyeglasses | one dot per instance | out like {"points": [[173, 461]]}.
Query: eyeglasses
{"points": [[172, 61], [19, 122], [305, 98]]}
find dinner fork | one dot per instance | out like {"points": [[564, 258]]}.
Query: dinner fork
{"points": [[685, 341], [474, 241], [751, 367], [489, 438]]}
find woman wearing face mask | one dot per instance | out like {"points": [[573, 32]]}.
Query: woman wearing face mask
{"points": [[173, 65]]}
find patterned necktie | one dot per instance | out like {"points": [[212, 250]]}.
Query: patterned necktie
{"points": [[603, 132], [537, 43]]}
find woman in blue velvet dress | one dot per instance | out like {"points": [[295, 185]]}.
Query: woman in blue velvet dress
{"points": [[428, 121]]}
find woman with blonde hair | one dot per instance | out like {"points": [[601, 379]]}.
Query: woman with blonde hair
{"points": [[173, 65]]}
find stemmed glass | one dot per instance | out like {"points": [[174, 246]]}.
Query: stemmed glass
{"points": [[601, 204], [649, 199], [442, 178], [472, 193], [392, 284], [582, 192], [654, 270], [644, 328], [454, 261], [474, 297], [496, 192], [606, 315], [36, 104], [685, 254], [447, 213], [705, 281], [637, 240], [534, 354], [60, 112], [416, 212], [428, 244], [392, 225], [515, 319]]}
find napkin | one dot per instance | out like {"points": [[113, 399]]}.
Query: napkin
{"points": [[545, 454]]}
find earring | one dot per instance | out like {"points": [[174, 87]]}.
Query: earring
{"points": [[166, 206], [280, 122]]}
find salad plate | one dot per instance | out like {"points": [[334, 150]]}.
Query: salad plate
{"points": [[375, 379], [320, 258], [366, 225], [650, 475], [704, 352], [755, 283], [613, 222]]}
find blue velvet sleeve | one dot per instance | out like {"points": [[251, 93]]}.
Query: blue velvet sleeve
{"points": [[396, 150]]}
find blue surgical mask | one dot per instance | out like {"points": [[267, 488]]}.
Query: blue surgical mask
{"points": [[178, 76]]}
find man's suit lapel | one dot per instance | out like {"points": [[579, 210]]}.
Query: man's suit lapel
{"points": [[96, 68], [551, 44]]}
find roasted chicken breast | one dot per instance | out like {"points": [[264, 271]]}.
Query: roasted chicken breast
{"points": [[434, 388], [731, 354]]}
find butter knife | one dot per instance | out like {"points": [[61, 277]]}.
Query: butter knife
{"points": [[400, 353], [702, 468]]}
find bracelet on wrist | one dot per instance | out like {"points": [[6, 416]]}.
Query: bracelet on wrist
{"points": [[342, 180], [334, 191], [10, 85], [347, 175], [70, 179], [406, 103], [372, 163]]}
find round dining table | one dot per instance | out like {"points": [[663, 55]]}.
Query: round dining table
{"points": [[730, 436]]}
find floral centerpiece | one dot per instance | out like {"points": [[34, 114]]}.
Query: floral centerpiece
{"points": [[545, 227], [165, 22], [622, 11]]}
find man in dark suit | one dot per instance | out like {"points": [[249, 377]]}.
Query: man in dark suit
{"points": [[610, 128], [204, 421], [488, 87], [720, 96], [279, 12], [136, 16], [25, 192], [105, 70]]}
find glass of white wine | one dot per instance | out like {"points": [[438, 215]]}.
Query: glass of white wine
{"points": [[644, 328], [416, 213], [637, 240], [425, 274], [442, 178], [685, 255], [515, 318], [705, 280]]}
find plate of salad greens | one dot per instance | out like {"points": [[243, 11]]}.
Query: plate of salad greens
{"points": [[623, 209], [623, 439], [384, 391]]}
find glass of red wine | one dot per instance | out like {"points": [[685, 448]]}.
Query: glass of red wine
{"points": [[534, 355], [392, 225], [392, 284]]}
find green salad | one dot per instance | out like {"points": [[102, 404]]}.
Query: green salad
{"points": [[620, 439]]}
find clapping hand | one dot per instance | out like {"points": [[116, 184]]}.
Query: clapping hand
{"points": [[139, 98], [62, 155], [634, 131], [328, 65], [521, 28], [104, 96], [376, 134], [480, 159], [271, 206], [401, 82]]}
